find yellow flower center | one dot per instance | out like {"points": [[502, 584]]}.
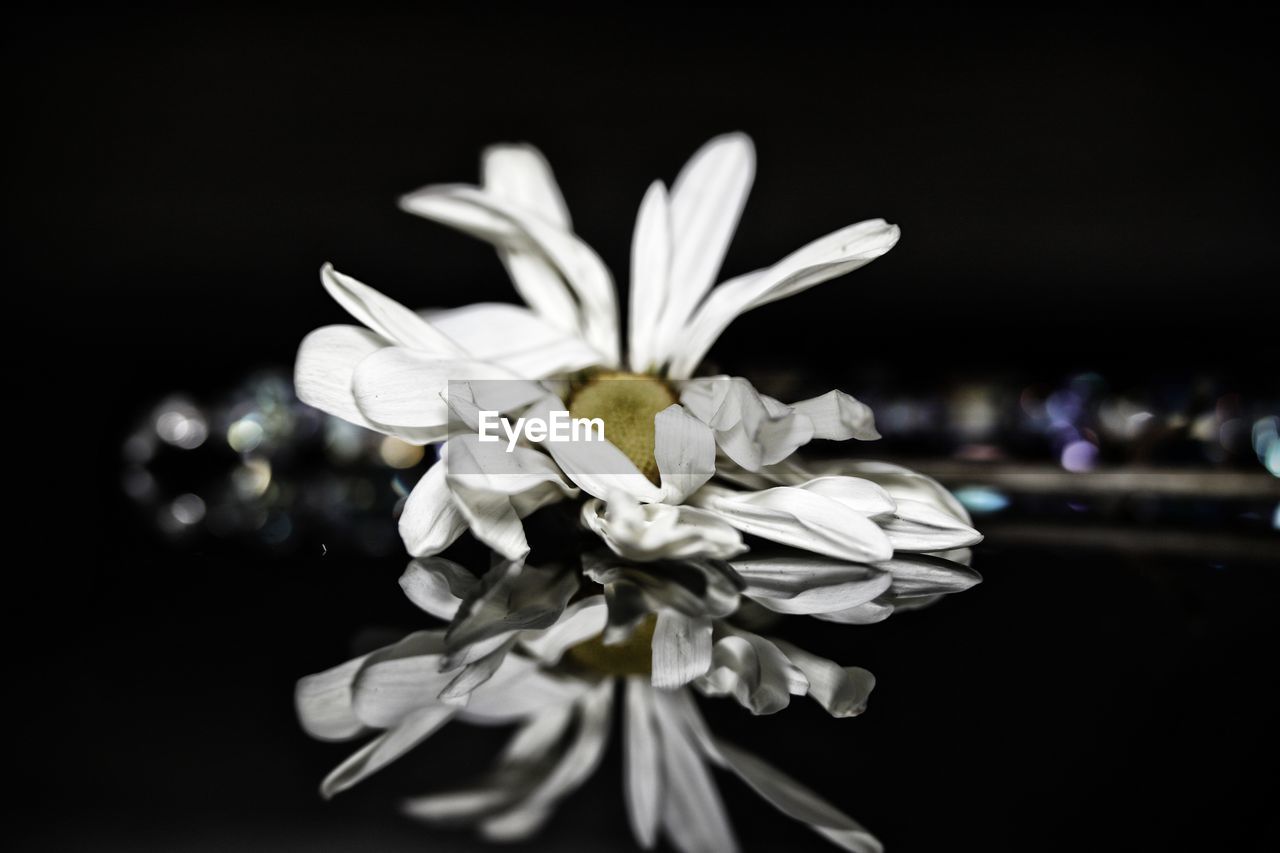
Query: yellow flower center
{"points": [[626, 402], [633, 656]]}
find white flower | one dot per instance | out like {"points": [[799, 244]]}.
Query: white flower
{"points": [[691, 464], [517, 652]]}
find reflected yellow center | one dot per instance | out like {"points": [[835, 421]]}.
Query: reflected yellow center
{"points": [[626, 402], [633, 656]]}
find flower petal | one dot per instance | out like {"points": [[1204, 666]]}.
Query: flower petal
{"points": [[416, 727], [685, 450], [385, 316], [650, 279], [578, 762], [515, 338], [399, 679], [798, 583], [825, 258], [707, 199], [922, 575], [799, 518], [794, 800], [753, 430], [660, 531], [860, 614], [581, 621], [490, 217], [430, 521], [511, 597], [405, 387], [693, 815], [837, 416], [921, 527], [323, 702], [326, 361], [437, 585], [841, 690], [753, 671], [681, 649], [643, 777]]}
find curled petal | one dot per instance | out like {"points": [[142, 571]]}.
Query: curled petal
{"points": [[660, 531]]}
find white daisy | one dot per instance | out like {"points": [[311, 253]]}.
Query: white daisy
{"points": [[691, 464], [537, 648]]}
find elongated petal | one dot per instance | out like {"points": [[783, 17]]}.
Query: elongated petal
{"points": [[921, 527], [751, 429], [515, 338], [520, 174], [681, 649], [660, 531], [860, 614], [796, 801], [707, 199], [520, 689], [579, 761], [512, 597], [643, 779], [326, 362], [923, 575], [510, 226], [399, 679], [801, 519], [597, 467], [830, 256], [902, 483], [650, 279], [430, 520], [385, 316], [581, 621], [693, 815], [794, 582], [385, 748], [685, 450], [476, 673], [324, 704], [404, 387], [437, 585], [841, 690], [837, 416]]}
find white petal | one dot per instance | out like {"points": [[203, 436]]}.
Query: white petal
{"points": [[403, 387], [513, 597], [921, 527], [400, 679], [579, 761], [597, 467], [753, 430], [841, 690], [475, 673], [510, 226], [799, 583], [681, 649], [514, 338], [437, 585], [642, 781], [796, 801], [430, 521], [685, 450], [861, 614], [518, 690], [385, 316], [581, 621], [753, 671], [837, 416], [521, 175], [660, 531], [799, 518], [323, 702], [924, 575], [650, 279], [693, 814], [861, 496], [327, 359], [706, 202], [823, 259], [904, 483], [385, 748]]}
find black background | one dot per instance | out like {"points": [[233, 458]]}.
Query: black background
{"points": [[1076, 190]]}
